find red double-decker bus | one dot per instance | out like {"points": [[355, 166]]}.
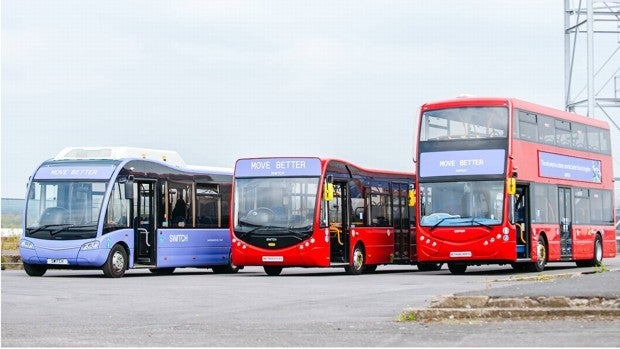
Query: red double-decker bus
{"points": [[312, 212], [504, 181]]}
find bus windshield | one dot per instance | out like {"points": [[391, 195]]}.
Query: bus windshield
{"points": [[64, 210], [287, 203], [462, 203], [464, 123]]}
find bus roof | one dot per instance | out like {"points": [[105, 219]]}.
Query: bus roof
{"points": [[515, 103], [117, 153]]}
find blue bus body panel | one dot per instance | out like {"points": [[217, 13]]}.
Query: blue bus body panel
{"points": [[69, 253], [192, 247]]}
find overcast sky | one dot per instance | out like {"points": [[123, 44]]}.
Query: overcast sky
{"points": [[220, 80]]}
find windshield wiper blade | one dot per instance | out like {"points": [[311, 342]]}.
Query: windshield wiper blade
{"points": [[444, 219], [475, 220], [46, 226], [72, 226]]}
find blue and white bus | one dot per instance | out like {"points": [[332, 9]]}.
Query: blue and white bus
{"points": [[120, 208]]}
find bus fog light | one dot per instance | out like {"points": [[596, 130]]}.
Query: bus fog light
{"points": [[91, 245], [26, 244]]}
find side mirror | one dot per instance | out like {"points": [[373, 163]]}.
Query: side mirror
{"points": [[129, 188], [511, 186], [411, 197], [328, 192]]}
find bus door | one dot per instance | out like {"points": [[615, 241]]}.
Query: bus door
{"points": [[144, 223], [400, 214], [339, 224], [566, 220], [522, 220]]}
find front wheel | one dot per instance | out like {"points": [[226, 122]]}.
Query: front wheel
{"points": [[457, 268], [272, 271], [357, 262], [116, 264], [34, 269], [541, 256]]}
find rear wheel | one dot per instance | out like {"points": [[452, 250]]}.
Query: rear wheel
{"points": [[457, 268], [357, 262], [597, 256], [541, 256], [229, 268], [34, 269], [272, 271], [116, 264], [162, 271]]}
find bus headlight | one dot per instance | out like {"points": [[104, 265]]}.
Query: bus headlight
{"points": [[90, 245], [26, 244]]}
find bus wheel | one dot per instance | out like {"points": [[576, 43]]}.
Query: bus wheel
{"points": [[162, 271], [357, 264], [272, 271], [116, 264], [541, 256], [229, 268], [457, 268], [519, 266], [370, 269], [429, 266], [597, 257], [34, 269]]}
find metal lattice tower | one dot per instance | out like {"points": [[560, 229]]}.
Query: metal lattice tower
{"points": [[592, 58]]}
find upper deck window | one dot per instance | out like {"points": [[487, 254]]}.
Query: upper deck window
{"points": [[464, 123]]}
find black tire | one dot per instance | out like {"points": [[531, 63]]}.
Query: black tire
{"points": [[34, 269], [272, 270], [429, 266], [541, 256], [116, 264], [358, 259], [457, 268], [369, 269], [520, 267], [597, 257], [162, 271], [229, 268]]}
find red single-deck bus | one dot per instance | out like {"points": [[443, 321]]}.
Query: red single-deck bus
{"points": [[506, 181], [311, 212]]}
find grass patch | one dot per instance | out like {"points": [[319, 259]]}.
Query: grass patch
{"points": [[408, 316]]}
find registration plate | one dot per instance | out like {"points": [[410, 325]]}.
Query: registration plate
{"points": [[273, 259], [63, 261]]}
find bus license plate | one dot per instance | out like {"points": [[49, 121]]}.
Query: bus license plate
{"points": [[273, 258], [63, 261]]}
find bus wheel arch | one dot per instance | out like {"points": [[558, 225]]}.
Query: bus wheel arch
{"points": [[358, 260], [117, 262]]}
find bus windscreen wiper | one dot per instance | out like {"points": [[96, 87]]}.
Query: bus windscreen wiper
{"points": [[476, 220], [47, 226], [71, 226], [444, 219]]}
